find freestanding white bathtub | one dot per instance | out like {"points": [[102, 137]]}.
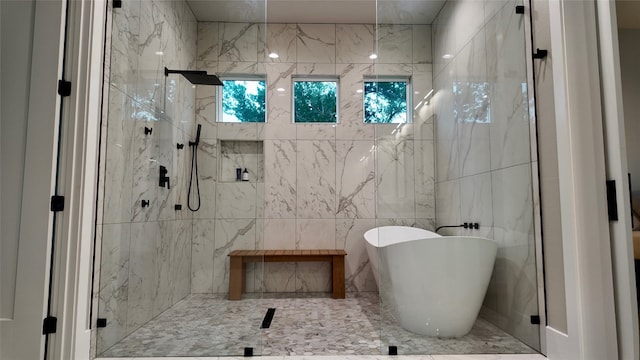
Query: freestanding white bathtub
{"points": [[434, 284]]}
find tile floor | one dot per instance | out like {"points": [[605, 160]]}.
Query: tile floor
{"points": [[309, 325]]}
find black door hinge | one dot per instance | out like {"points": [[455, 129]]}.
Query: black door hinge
{"points": [[49, 325], [612, 202], [540, 54], [535, 319], [64, 88], [117, 4], [520, 9], [101, 323], [57, 203]]}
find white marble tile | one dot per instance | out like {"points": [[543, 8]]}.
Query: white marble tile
{"points": [[316, 174], [316, 43], [114, 283], [324, 131], [240, 67], [443, 37], [202, 249], [313, 234], [467, 20], [446, 127], [238, 42], [142, 274], [150, 88], [475, 204], [492, 7], [510, 138], [513, 205], [351, 125], [422, 86], [281, 40], [280, 179], [395, 44], [279, 123], [205, 111], [509, 105], [124, 44], [162, 295], [207, 159], [237, 200], [279, 234], [230, 235], [208, 37], [395, 178], [425, 194], [145, 172], [237, 131], [355, 179], [422, 44], [118, 182], [448, 204], [181, 260], [313, 68], [354, 43], [350, 237]]}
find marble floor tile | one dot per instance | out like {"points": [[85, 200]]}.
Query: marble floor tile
{"points": [[304, 326]]}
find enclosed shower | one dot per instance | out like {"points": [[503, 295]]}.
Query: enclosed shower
{"points": [[300, 125]]}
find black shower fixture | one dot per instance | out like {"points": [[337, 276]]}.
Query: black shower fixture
{"points": [[196, 77]]}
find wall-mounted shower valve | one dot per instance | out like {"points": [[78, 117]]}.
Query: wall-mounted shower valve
{"points": [[164, 179], [145, 203], [148, 130], [180, 146]]}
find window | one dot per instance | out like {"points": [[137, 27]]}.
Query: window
{"points": [[315, 100], [385, 100], [243, 100]]}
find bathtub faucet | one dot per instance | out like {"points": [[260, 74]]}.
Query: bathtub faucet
{"points": [[466, 225]]}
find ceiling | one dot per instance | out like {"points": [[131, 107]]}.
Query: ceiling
{"points": [[318, 11]]}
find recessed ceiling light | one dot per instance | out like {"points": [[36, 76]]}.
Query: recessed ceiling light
{"points": [[274, 55], [373, 56], [159, 53], [280, 89], [359, 91], [447, 56]]}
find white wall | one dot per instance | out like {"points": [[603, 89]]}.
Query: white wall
{"points": [[629, 61], [17, 37]]}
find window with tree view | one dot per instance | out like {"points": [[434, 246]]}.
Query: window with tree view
{"points": [[243, 100], [315, 101], [385, 101]]}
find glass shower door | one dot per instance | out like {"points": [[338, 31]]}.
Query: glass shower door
{"points": [[464, 157], [171, 208]]}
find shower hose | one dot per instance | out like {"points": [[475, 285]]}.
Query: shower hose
{"points": [[194, 169]]}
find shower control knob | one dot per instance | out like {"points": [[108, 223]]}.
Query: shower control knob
{"points": [[145, 203]]}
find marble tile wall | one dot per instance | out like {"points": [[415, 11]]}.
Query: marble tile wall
{"points": [[324, 184], [483, 148], [146, 252]]}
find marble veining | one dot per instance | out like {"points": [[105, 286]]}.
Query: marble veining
{"points": [[483, 149]]}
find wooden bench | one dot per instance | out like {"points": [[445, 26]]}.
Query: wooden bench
{"points": [[239, 259]]}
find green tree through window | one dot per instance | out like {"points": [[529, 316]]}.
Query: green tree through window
{"points": [[385, 102], [315, 101], [243, 101]]}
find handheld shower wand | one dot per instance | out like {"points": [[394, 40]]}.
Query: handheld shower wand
{"points": [[194, 168]]}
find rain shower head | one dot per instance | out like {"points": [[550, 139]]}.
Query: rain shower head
{"points": [[196, 77]]}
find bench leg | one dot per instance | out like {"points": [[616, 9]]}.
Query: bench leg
{"points": [[338, 277], [236, 278]]}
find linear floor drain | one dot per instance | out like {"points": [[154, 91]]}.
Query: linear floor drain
{"points": [[266, 322]]}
